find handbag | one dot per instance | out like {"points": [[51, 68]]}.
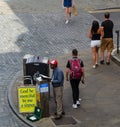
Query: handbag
{"points": [[74, 10]]}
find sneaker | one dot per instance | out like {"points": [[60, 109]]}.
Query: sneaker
{"points": [[78, 103], [108, 63], [74, 106], [102, 62], [58, 117], [66, 21], [63, 113], [94, 66]]}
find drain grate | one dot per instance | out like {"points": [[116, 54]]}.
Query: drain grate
{"points": [[64, 121]]}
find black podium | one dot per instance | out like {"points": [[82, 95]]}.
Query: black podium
{"points": [[33, 66]]}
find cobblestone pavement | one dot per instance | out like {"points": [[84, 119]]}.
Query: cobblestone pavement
{"points": [[37, 27]]}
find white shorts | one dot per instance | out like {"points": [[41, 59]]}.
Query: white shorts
{"points": [[95, 43]]}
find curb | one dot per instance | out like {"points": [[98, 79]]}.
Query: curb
{"points": [[11, 104], [114, 58]]}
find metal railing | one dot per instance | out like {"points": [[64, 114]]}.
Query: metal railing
{"points": [[117, 32]]}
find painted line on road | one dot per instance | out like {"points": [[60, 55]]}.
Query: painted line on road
{"points": [[105, 10]]}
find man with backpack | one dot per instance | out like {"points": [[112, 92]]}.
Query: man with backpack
{"points": [[75, 73]]}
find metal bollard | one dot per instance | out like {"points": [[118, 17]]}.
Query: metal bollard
{"points": [[117, 32]]}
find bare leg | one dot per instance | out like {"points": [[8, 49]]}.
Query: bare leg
{"points": [[94, 56], [108, 58], [97, 55], [102, 57], [67, 13]]}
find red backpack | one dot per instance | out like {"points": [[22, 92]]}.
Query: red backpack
{"points": [[75, 68]]}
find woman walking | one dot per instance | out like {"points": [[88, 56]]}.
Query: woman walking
{"points": [[67, 4], [95, 34]]}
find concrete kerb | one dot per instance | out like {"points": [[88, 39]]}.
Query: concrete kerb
{"points": [[11, 103], [115, 9], [114, 57]]}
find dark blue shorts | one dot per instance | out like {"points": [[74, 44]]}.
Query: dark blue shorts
{"points": [[67, 3]]}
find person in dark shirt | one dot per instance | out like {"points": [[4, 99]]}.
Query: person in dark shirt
{"points": [[95, 34], [107, 41], [75, 82]]}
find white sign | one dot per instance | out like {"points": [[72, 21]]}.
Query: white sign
{"points": [[44, 88]]}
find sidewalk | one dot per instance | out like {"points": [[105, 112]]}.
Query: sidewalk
{"points": [[100, 95], [116, 56]]}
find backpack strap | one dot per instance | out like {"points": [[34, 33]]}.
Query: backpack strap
{"points": [[74, 59]]}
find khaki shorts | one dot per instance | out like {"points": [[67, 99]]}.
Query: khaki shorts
{"points": [[107, 43]]}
